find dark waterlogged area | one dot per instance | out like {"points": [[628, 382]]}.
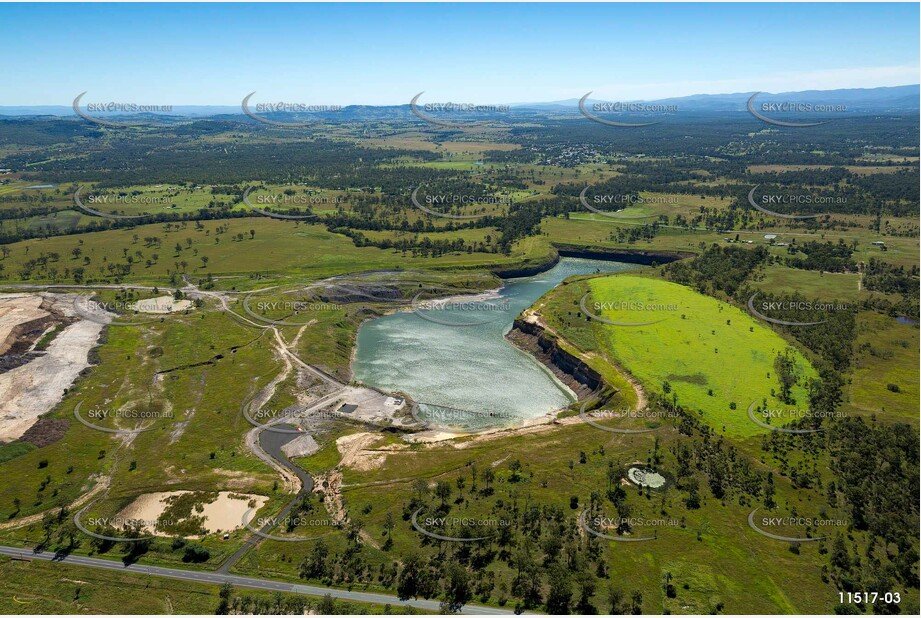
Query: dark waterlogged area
{"points": [[273, 441], [468, 364]]}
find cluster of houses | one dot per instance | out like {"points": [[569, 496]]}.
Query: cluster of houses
{"points": [[771, 238]]}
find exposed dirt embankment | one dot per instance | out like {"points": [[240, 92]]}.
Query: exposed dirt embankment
{"points": [[528, 269], [29, 390], [630, 256], [569, 369], [20, 316]]}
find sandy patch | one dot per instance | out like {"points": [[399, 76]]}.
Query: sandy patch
{"points": [[539, 424], [235, 479], [354, 455], [224, 514], [161, 304], [646, 478]]}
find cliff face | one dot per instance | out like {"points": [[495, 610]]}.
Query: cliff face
{"points": [[528, 270], [570, 369], [630, 256]]}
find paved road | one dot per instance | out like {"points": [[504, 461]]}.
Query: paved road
{"points": [[271, 443], [241, 581]]}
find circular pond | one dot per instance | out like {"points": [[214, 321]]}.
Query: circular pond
{"points": [[645, 478]]}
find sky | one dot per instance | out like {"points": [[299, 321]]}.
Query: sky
{"points": [[384, 54]]}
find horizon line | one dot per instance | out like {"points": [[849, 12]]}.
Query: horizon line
{"points": [[515, 104]]}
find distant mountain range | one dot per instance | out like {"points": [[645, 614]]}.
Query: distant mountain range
{"points": [[67, 110], [884, 99], [857, 100]]}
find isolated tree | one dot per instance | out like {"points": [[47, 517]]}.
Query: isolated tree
{"points": [[515, 467], [636, 602], [488, 476], [616, 601], [443, 491], [420, 488]]}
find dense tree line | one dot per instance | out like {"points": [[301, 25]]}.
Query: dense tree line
{"points": [[884, 277], [717, 269]]}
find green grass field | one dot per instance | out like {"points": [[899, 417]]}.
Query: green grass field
{"points": [[887, 354], [39, 587], [238, 246], [777, 279], [712, 354]]}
